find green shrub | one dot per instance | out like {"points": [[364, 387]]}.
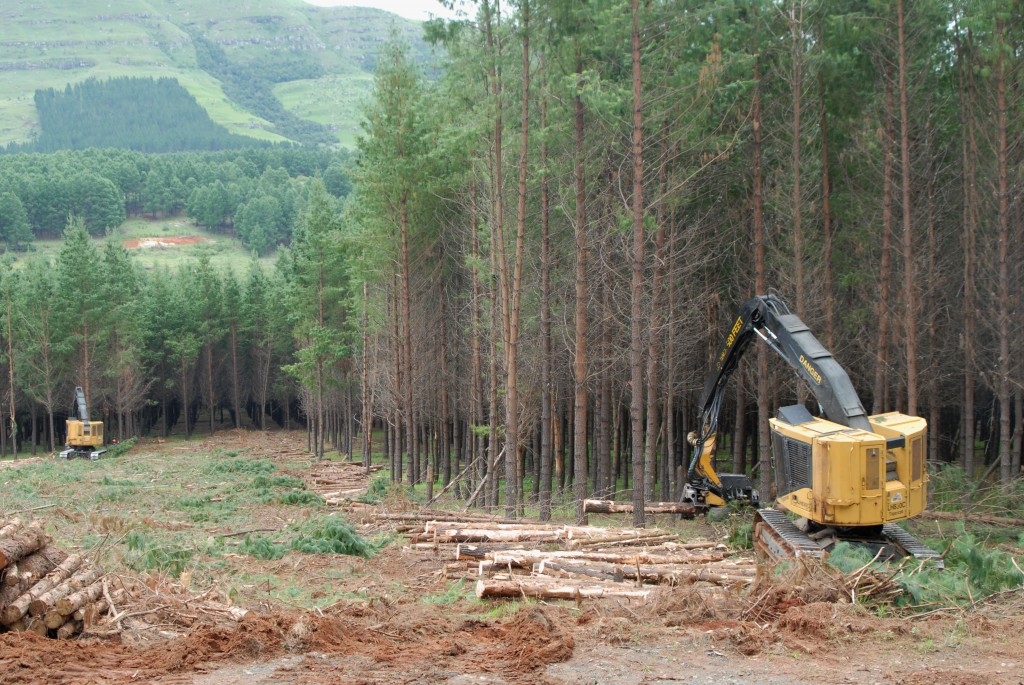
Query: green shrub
{"points": [[378, 488], [332, 536], [145, 554], [234, 465], [120, 448], [971, 573], [261, 548], [300, 497]]}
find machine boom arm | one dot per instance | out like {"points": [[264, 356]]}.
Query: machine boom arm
{"points": [[83, 410], [768, 317]]}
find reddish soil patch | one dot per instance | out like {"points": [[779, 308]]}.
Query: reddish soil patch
{"points": [[162, 242]]}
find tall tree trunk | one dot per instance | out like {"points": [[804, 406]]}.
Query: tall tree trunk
{"points": [[826, 221], [397, 443], [365, 402], [10, 376], [476, 360], [910, 318], [760, 288], [1003, 301], [636, 362], [969, 152], [654, 336], [580, 364], [209, 383], [235, 403], [547, 391], [878, 399], [796, 15], [446, 451]]}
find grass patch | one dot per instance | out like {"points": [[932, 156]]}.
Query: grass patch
{"points": [[450, 596]]}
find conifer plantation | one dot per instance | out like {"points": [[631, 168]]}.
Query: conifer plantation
{"points": [[513, 289]]}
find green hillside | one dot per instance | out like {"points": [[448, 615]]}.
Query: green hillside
{"points": [[51, 43]]}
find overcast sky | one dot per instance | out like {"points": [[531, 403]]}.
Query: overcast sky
{"points": [[411, 9]]}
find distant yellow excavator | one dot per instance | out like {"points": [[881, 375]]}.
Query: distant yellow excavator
{"points": [[848, 476], [85, 437]]}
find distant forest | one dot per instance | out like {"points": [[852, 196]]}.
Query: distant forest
{"points": [[251, 85], [143, 114], [255, 192]]}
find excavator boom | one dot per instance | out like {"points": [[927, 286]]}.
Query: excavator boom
{"points": [[847, 474], [84, 437]]}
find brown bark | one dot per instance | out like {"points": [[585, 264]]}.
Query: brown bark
{"points": [[69, 630], [796, 11], [1003, 301], [16, 609], [21, 544], [10, 373], [760, 288], [546, 387], [826, 221], [878, 399], [366, 408], [636, 366], [580, 364], [75, 600], [82, 578], [513, 465], [909, 294]]}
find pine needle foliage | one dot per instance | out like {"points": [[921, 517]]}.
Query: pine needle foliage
{"points": [[972, 572]]}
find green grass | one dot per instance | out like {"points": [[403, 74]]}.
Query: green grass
{"points": [[224, 251], [88, 39]]}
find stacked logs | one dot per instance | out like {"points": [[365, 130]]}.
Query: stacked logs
{"points": [[339, 482], [530, 559], [42, 588]]}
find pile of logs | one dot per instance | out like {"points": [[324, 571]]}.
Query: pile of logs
{"points": [[338, 482], [528, 559], [45, 590]]}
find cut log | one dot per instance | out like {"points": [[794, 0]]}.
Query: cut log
{"points": [[527, 558], [21, 544], [83, 578], [67, 605], [10, 528], [37, 626], [548, 589], [30, 570], [54, 620], [17, 608], [607, 506], [69, 630], [11, 575], [653, 574]]}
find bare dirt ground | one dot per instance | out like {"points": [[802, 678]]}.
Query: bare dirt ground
{"points": [[150, 243], [398, 620]]}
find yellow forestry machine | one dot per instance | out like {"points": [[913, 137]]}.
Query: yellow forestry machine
{"points": [[85, 437], [847, 476]]}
